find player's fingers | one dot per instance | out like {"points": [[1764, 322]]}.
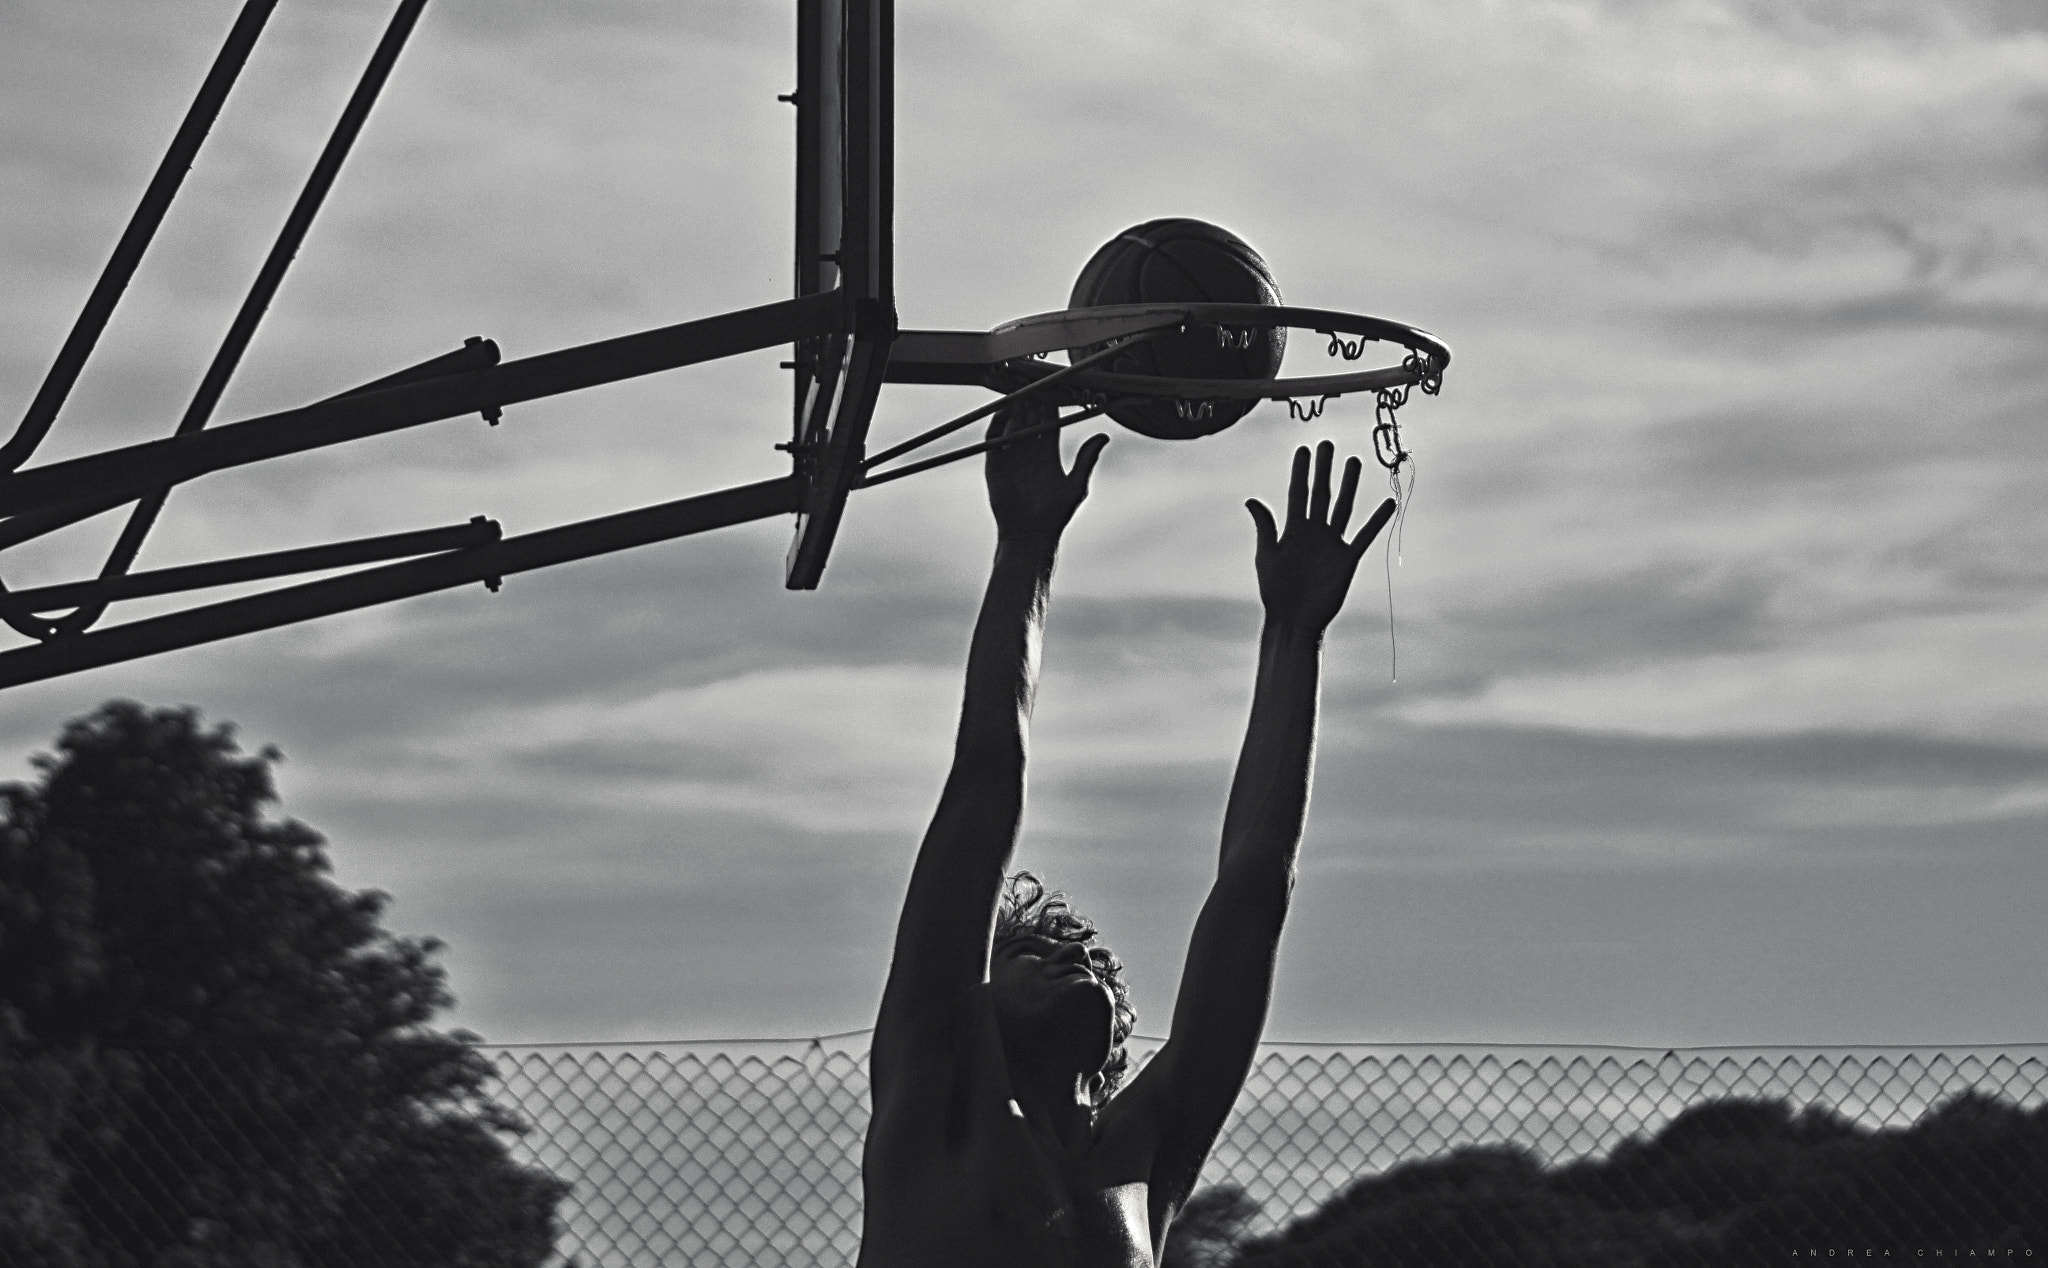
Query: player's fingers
{"points": [[1018, 415], [1084, 460], [1319, 491], [1372, 529], [1262, 523], [1297, 486], [1340, 514]]}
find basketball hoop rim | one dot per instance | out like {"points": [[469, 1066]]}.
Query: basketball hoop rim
{"points": [[1019, 343]]}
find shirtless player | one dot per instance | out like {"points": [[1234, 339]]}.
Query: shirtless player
{"points": [[994, 1141]]}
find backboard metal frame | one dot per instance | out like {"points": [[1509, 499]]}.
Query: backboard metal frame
{"points": [[845, 165], [841, 323]]}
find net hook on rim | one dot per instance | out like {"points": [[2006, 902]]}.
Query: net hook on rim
{"points": [[1307, 411], [1349, 349], [1428, 372]]}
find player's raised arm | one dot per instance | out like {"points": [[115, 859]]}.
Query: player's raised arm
{"points": [[1305, 567], [942, 937]]}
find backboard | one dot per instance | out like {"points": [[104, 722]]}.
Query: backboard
{"points": [[844, 245]]}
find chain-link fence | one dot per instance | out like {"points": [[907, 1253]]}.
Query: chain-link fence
{"points": [[748, 1154], [735, 1153]]}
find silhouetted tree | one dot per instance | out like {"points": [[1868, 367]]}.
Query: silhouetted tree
{"points": [[46, 951], [1477, 1205], [1727, 1183], [1209, 1229], [226, 1057]]}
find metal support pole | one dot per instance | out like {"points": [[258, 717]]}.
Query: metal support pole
{"points": [[399, 581], [476, 353], [21, 528], [1008, 398], [135, 469], [999, 442], [275, 563], [264, 289], [135, 239]]}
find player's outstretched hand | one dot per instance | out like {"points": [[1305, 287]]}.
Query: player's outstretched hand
{"points": [[1032, 495], [1306, 567]]}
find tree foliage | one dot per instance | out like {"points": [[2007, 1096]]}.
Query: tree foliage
{"points": [[1726, 1183], [1210, 1228], [214, 1055]]}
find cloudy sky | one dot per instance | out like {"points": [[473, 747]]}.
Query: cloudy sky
{"points": [[1719, 612]]}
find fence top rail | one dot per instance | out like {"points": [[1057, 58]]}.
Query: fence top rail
{"points": [[839, 1041]]}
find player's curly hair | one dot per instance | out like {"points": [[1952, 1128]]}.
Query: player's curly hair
{"points": [[1029, 909]]}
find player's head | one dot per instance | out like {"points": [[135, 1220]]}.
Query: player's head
{"points": [[1039, 943]]}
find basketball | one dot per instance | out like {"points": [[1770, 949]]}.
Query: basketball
{"points": [[1182, 260]]}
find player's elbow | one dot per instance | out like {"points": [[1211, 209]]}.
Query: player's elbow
{"points": [[1260, 850], [1256, 885], [989, 752]]}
